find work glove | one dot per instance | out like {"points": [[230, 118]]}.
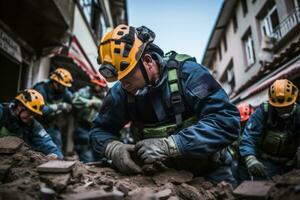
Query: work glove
{"points": [[95, 103], [120, 154], [65, 106], [156, 149], [255, 168]]}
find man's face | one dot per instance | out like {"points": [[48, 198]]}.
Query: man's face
{"points": [[25, 115], [284, 110], [133, 81], [58, 87]]}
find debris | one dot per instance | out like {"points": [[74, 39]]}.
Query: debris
{"points": [[56, 166], [142, 194], [98, 194], [56, 181], [189, 192], [10, 144], [47, 193], [253, 189], [172, 176], [163, 194], [3, 171]]}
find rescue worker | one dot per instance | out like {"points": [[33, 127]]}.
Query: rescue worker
{"points": [[17, 118], [58, 101], [181, 117], [86, 102], [271, 135], [237, 166]]}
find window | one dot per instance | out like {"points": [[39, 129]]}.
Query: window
{"points": [[225, 43], [228, 78], [244, 7], [249, 48], [86, 6], [297, 3], [220, 52], [234, 21], [269, 22]]}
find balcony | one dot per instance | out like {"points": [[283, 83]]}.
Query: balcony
{"points": [[288, 24]]}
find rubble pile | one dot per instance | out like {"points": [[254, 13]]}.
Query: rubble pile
{"points": [[26, 174]]}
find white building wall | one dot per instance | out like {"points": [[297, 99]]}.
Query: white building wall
{"points": [[82, 33]]}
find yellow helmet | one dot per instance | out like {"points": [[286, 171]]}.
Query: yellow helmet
{"points": [[62, 76], [282, 93], [121, 49], [32, 100]]}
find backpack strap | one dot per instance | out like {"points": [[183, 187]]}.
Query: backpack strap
{"points": [[174, 64]]}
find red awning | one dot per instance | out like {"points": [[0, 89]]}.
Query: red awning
{"points": [[77, 54], [286, 72]]}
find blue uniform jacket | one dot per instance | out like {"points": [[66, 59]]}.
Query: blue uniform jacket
{"points": [[51, 98], [34, 135], [218, 120]]}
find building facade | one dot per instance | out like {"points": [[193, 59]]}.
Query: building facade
{"points": [[252, 44], [36, 37]]}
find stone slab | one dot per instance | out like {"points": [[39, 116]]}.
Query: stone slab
{"points": [[10, 144], [253, 189], [56, 166]]}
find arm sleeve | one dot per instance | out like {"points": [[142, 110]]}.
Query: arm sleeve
{"points": [[218, 120], [252, 132], [41, 141], [111, 119]]}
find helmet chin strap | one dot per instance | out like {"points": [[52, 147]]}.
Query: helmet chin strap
{"points": [[159, 61], [144, 73]]}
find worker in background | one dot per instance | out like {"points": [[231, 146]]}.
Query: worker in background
{"points": [[87, 102], [58, 101], [237, 166], [18, 119], [271, 136], [181, 117]]}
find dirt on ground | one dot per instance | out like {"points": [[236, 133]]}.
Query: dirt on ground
{"points": [[20, 180]]}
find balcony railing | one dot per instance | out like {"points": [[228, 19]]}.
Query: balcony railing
{"points": [[291, 21]]}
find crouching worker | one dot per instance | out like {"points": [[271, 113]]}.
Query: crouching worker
{"points": [[181, 117], [18, 118], [272, 134]]}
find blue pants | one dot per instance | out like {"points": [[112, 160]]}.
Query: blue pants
{"points": [[81, 144], [55, 134]]}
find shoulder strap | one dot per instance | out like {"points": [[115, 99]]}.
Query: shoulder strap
{"points": [[174, 64]]}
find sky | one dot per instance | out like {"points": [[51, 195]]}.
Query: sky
{"points": [[180, 25]]}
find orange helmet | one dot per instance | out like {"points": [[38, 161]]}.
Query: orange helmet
{"points": [[99, 82], [32, 100], [62, 76], [246, 111], [121, 49], [282, 93]]}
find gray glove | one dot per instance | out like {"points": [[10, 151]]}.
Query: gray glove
{"points": [[65, 106], [156, 149], [255, 168], [119, 153]]}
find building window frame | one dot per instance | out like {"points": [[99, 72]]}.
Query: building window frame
{"points": [[267, 22], [235, 23], [248, 45], [244, 7]]}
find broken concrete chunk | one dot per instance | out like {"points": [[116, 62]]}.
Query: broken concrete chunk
{"points": [[3, 171], [56, 181], [189, 192], [172, 176], [97, 195], [142, 194], [163, 194], [10, 144], [56, 166], [253, 190]]}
